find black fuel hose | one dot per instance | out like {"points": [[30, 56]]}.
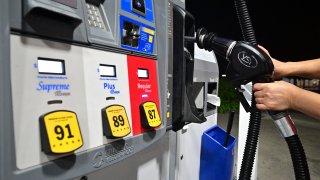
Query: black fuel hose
{"points": [[298, 156], [255, 116], [245, 22], [251, 142], [299, 160]]}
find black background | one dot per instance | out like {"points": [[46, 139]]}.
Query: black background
{"points": [[289, 29]]}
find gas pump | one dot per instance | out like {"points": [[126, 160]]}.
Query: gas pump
{"points": [[91, 90], [87, 85]]}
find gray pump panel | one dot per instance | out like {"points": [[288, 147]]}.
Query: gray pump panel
{"points": [[87, 84]]}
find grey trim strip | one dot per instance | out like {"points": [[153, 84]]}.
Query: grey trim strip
{"points": [[6, 122], [172, 155]]}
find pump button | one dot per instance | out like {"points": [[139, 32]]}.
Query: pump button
{"points": [[149, 114], [90, 22], [115, 122], [95, 17], [60, 132]]}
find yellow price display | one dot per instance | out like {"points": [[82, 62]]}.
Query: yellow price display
{"points": [[60, 132], [115, 122], [149, 115]]}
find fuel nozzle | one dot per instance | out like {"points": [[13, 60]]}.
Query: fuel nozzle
{"points": [[247, 62]]}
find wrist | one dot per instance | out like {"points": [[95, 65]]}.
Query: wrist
{"points": [[289, 68], [281, 69], [295, 101]]}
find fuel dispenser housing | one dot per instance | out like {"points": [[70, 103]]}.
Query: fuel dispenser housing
{"points": [[73, 82], [96, 76]]}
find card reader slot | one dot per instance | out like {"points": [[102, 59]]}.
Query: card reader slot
{"points": [[130, 34]]}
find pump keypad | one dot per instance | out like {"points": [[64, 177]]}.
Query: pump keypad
{"points": [[149, 114], [115, 122], [94, 17], [60, 132]]}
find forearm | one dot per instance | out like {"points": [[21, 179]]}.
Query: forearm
{"points": [[307, 102], [308, 69]]}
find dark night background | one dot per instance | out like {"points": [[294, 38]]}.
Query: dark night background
{"points": [[289, 29]]}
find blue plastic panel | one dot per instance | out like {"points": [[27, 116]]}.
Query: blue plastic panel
{"points": [[126, 5], [147, 36]]}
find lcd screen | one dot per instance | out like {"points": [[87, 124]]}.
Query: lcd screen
{"points": [[51, 66], [143, 73], [139, 7], [107, 70]]}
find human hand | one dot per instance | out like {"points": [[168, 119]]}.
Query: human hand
{"points": [[275, 96], [279, 67]]}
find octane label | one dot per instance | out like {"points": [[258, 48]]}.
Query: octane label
{"points": [[150, 116], [116, 123], [60, 132]]}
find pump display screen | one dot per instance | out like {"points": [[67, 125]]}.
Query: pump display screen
{"points": [[143, 73], [107, 70], [138, 6], [51, 66]]}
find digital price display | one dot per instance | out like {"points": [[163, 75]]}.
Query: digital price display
{"points": [[149, 115], [143, 73], [60, 132], [115, 122], [107, 70], [51, 66]]}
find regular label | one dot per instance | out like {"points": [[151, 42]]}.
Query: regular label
{"points": [[116, 123], [60, 132], [150, 116]]}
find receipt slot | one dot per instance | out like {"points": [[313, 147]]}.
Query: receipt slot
{"points": [[144, 95], [108, 98], [49, 112]]}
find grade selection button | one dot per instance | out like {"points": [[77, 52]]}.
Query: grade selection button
{"points": [[149, 115], [115, 122], [60, 132]]}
